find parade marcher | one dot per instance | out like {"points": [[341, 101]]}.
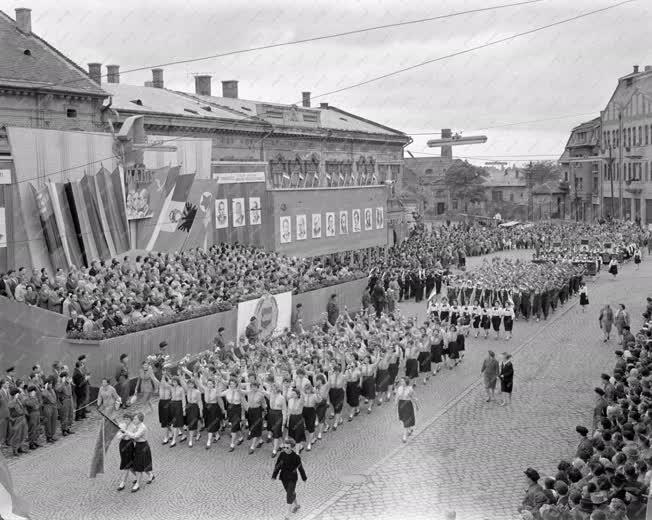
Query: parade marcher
{"points": [[406, 401], [287, 465], [295, 424], [336, 395], [277, 416], [606, 320], [235, 400], [122, 386], [490, 370], [613, 266], [353, 377], [164, 407], [108, 400], [177, 410], [506, 379], [508, 320], [584, 297], [485, 321], [256, 410], [194, 410], [147, 384], [142, 452], [126, 449], [213, 411], [496, 314]]}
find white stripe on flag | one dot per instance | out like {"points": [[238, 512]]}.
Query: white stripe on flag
{"points": [[163, 217]]}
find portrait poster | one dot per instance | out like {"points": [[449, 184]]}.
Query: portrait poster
{"points": [[5, 176], [286, 230], [380, 219], [368, 222], [302, 230], [330, 224], [355, 221], [137, 204], [238, 212], [255, 216], [273, 312], [344, 222], [221, 214], [316, 225]]}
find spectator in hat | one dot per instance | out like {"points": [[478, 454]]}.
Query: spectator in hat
{"points": [[534, 496]]}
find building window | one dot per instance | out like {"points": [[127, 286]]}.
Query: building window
{"points": [[454, 204], [646, 135], [511, 197], [565, 176], [581, 184], [71, 112], [640, 136]]}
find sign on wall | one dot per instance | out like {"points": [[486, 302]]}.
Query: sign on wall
{"points": [[273, 314], [5, 176], [239, 177]]}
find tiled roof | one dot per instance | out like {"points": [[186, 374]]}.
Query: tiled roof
{"points": [[27, 61]]}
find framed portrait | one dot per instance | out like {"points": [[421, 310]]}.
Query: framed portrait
{"points": [[302, 227], [344, 222], [221, 214], [255, 214], [380, 219], [355, 221], [316, 225], [368, 222], [330, 224], [286, 230], [238, 212]]}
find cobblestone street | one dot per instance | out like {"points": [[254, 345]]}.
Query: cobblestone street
{"points": [[466, 455]]}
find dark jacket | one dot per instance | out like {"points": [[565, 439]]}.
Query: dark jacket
{"points": [[287, 465]]}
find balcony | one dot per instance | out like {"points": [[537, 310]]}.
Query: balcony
{"points": [[634, 187], [634, 152]]}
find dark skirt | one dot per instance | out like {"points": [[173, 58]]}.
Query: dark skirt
{"points": [[506, 385], [613, 270], [369, 387], [297, 428], [275, 423], [336, 397], [176, 414], [584, 299], [212, 417], [476, 321], [406, 413], [508, 323], [424, 362], [453, 352], [309, 416], [234, 413], [460, 342], [322, 408], [142, 457], [382, 380], [435, 353], [637, 259], [443, 316], [495, 322], [255, 420], [485, 322], [393, 372], [192, 416], [164, 416], [454, 318], [411, 368], [126, 448], [353, 394]]}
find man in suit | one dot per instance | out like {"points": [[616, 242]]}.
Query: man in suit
{"points": [[287, 465], [80, 379], [75, 323]]}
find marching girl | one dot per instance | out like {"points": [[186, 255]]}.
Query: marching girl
{"points": [[142, 452], [194, 410], [336, 395], [392, 369], [436, 348], [310, 400], [368, 387], [406, 401], [637, 258], [213, 411], [485, 321], [353, 377], [476, 316], [256, 406], [496, 314], [465, 321], [508, 319], [424, 356], [444, 310], [126, 448], [455, 313], [164, 414], [235, 400], [460, 342], [177, 409], [452, 347], [277, 416], [295, 424], [613, 266], [382, 374], [411, 360], [434, 309], [584, 297], [321, 389]]}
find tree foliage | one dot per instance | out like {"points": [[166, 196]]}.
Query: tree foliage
{"points": [[465, 181], [541, 172]]}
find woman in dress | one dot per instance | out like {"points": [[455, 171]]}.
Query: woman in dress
{"points": [[606, 320], [436, 347], [584, 297], [508, 320], [353, 378], [295, 424], [406, 401], [637, 258], [411, 360], [177, 410], [256, 407], [485, 321], [108, 400], [336, 394], [368, 387], [321, 389], [234, 402], [277, 416], [490, 370], [460, 342], [506, 379], [452, 347], [613, 266], [126, 449], [213, 411], [147, 384], [194, 410], [310, 400], [164, 413], [142, 453], [496, 314], [382, 375], [425, 363]]}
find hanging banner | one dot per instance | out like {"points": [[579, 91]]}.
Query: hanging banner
{"points": [[273, 314]]}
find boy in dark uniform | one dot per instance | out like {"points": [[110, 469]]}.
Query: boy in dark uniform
{"points": [[287, 465]]}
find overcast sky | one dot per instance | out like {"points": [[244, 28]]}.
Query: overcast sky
{"points": [[569, 70]]}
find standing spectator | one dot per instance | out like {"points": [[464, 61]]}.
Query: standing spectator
{"points": [[33, 413], [621, 321], [287, 465], [75, 323], [18, 432], [160, 359], [49, 400], [80, 380], [534, 497], [122, 380], [490, 370], [378, 299], [19, 293], [219, 339], [606, 321], [600, 409], [31, 296], [332, 310], [585, 447], [64, 395], [297, 319], [4, 411], [252, 331]]}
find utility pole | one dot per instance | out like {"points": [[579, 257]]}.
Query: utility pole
{"points": [[611, 178], [621, 172]]}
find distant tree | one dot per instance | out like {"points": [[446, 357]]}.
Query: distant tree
{"points": [[537, 173], [465, 182]]}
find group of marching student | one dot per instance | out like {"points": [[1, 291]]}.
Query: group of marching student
{"points": [[463, 318]]}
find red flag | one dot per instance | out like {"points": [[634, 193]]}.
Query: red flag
{"points": [[108, 431], [11, 505]]}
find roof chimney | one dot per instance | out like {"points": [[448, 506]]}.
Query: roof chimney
{"points": [[24, 20], [323, 105], [157, 78], [306, 99], [635, 69], [95, 72], [230, 89], [203, 85], [113, 73]]}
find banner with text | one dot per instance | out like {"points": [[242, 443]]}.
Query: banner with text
{"points": [[273, 314]]}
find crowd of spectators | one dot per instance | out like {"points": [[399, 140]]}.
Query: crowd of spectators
{"points": [[609, 476], [112, 298]]}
